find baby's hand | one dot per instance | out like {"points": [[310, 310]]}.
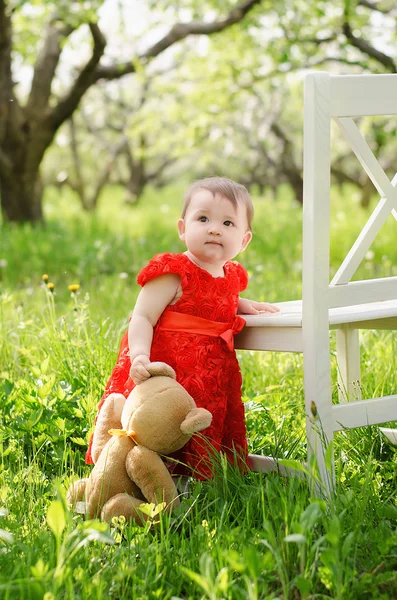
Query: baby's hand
{"points": [[250, 307], [138, 372]]}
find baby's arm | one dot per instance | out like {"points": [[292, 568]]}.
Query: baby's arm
{"points": [[154, 297], [250, 307]]}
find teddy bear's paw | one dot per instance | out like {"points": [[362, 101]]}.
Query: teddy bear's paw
{"points": [[114, 405], [76, 492], [196, 420], [123, 505]]}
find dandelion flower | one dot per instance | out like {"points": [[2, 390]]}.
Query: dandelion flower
{"points": [[74, 287], [51, 286], [45, 277]]}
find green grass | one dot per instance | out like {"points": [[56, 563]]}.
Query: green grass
{"points": [[237, 536]]}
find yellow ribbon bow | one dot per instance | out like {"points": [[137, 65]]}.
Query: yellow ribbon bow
{"points": [[121, 432]]}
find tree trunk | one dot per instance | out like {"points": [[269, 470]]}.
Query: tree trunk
{"points": [[133, 189], [20, 184], [367, 191], [137, 176], [296, 182], [21, 197]]}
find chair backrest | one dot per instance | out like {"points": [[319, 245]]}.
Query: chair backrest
{"points": [[341, 98]]}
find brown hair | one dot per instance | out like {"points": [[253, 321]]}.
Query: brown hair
{"points": [[235, 192]]}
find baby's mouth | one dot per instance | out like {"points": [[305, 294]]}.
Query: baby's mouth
{"points": [[214, 243]]}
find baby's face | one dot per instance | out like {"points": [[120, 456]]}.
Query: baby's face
{"points": [[213, 229]]}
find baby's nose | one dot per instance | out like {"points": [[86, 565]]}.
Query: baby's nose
{"points": [[214, 230]]}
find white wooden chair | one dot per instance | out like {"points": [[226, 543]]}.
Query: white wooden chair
{"points": [[303, 325]]}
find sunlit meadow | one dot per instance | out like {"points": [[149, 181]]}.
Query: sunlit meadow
{"points": [[236, 537]]}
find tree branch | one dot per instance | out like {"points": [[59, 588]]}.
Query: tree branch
{"points": [[369, 50], [46, 64], [315, 40], [338, 59], [178, 32], [86, 78], [343, 177], [160, 168], [377, 6], [77, 163], [104, 174]]}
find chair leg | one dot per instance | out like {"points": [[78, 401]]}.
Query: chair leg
{"points": [[319, 420], [348, 358], [318, 442], [349, 375]]}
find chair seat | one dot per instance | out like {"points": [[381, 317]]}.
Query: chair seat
{"points": [[282, 332], [290, 314]]}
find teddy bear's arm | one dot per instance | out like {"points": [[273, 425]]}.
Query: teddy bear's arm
{"points": [[150, 474], [109, 418]]}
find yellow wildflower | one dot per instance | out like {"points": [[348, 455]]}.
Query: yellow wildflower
{"points": [[74, 287], [51, 286], [45, 277]]}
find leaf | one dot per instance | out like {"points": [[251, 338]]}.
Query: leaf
{"points": [[6, 536], [222, 580], [99, 536], [147, 509], [40, 569], [79, 441], [34, 418], [347, 544], [296, 538], [310, 516], [303, 585], [8, 387], [60, 423], [159, 508], [329, 457], [334, 532], [199, 579], [293, 464], [388, 511], [56, 518], [151, 510], [44, 365], [61, 393], [48, 387]]}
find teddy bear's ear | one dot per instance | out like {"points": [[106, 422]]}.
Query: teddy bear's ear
{"points": [[196, 420], [159, 368]]}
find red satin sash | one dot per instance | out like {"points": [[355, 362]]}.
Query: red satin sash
{"points": [[174, 321]]}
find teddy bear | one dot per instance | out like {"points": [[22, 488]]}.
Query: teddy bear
{"points": [[157, 419]]}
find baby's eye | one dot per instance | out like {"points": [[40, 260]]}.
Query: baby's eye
{"points": [[203, 219], [228, 223]]}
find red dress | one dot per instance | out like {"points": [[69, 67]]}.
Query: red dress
{"points": [[206, 365]]}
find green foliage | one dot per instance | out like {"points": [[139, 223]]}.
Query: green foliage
{"points": [[29, 18], [236, 537]]}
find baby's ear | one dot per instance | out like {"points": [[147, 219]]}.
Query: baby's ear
{"points": [[197, 419], [159, 368], [246, 240], [181, 229]]}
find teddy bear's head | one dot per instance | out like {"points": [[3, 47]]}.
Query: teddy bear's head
{"points": [[160, 412]]}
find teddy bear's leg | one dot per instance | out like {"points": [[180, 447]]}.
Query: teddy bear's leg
{"points": [[123, 505], [152, 477], [108, 418], [76, 492]]}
